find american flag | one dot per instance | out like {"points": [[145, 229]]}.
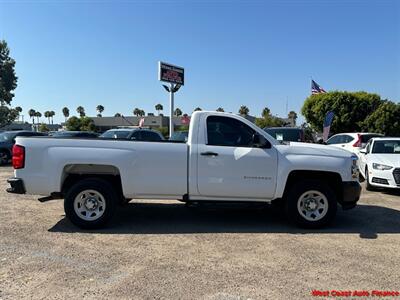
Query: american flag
{"points": [[327, 125], [316, 89]]}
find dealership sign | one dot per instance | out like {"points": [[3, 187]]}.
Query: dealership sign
{"points": [[170, 73]]}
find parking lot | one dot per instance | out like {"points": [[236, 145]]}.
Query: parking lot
{"points": [[165, 250]]}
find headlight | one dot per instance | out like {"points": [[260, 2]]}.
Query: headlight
{"points": [[381, 167]]}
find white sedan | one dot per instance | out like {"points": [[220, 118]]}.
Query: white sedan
{"points": [[380, 163]]}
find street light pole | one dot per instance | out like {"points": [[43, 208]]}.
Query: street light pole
{"points": [[171, 108]]}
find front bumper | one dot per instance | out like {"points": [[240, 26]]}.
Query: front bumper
{"points": [[17, 186], [351, 194]]}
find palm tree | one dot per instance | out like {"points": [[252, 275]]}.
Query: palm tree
{"points": [[159, 108], [100, 109], [265, 112], [220, 109], [99, 115], [117, 115], [142, 113], [38, 115], [81, 111], [136, 112], [52, 114], [197, 109], [292, 115], [178, 112], [65, 112], [32, 115], [47, 115], [244, 110]]}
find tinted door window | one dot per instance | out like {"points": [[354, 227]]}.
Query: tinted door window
{"points": [[225, 131], [136, 136], [150, 136], [335, 140]]}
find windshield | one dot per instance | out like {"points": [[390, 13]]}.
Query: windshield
{"points": [[6, 136], [285, 134], [180, 136], [116, 134], [387, 147]]}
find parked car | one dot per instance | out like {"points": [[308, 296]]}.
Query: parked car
{"points": [[289, 134], [179, 136], [380, 163], [7, 140], [74, 134], [352, 142], [137, 134], [226, 158]]}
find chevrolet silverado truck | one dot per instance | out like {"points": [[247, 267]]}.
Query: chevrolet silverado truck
{"points": [[226, 158]]}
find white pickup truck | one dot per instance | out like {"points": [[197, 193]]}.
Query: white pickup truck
{"points": [[226, 158]]}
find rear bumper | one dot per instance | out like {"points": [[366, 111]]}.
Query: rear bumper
{"points": [[16, 186], [351, 194]]}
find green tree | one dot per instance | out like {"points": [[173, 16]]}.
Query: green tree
{"points": [[142, 113], [100, 109], [159, 108], [385, 119], [220, 109], [265, 112], [47, 115], [18, 110], [269, 121], [43, 128], [73, 124], [81, 111], [52, 114], [117, 115], [38, 115], [244, 110], [178, 112], [350, 108], [31, 114], [65, 112], [137, 112], [87, 124], [8, 83], [197, 109]]}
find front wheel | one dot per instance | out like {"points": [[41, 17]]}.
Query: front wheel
{"points": [[368, 186], [311, 204], [90, 203]]}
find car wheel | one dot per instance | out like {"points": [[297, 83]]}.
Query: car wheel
{"points": [[4, 157], [368, 186], [90, 203], [311, 204]]}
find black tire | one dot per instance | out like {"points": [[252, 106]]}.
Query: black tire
{"points": [[368, 186], [4, 157], [293, 198], [105, 189]]}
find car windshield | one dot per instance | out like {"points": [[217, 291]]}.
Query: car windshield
{"points": [[284, 134], [387, 147], [116, 134], [6, 136]]}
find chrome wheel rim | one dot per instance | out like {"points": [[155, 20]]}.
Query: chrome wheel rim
{"points": [[89, 205], [312, 205]]}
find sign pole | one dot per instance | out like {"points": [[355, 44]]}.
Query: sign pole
{"points": [[171, 107]]}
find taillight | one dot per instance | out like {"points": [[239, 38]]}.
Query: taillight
{"points": [[358, 142], [18, 157]]}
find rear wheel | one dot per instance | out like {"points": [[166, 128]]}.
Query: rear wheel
{"points": [[311, 204], [90, 203]]}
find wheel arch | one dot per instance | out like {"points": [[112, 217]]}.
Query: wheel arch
{"points": [[334, 180], [73, 173]]}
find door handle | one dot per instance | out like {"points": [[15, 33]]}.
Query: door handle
{"points": [[209, 153]]}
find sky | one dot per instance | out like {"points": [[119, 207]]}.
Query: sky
{"points": [[253, 53]]}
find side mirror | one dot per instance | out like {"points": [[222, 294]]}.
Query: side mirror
{"points": [[259, 141], [363, 151]]}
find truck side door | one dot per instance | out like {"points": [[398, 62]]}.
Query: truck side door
{"points": [[231, 165]]}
